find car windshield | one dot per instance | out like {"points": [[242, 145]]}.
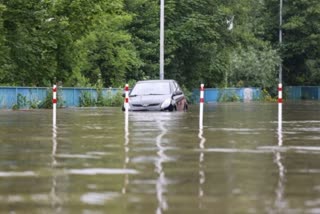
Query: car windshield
{"points": [[151, 88]]}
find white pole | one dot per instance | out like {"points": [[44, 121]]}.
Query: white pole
{"points": [[126, 150], [126, 100], [201, 106], [280, 38], [280, 80], [280, 114], [162, 40], [54, 105]]}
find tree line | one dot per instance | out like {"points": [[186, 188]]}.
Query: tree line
{"points": [[223, 43]]}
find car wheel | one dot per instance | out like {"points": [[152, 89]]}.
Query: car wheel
{"points": [[185, 107], [170, 108]]}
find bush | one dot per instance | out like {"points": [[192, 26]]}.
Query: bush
{"points": [[86, 99], [265, 96], [228, 96], [21, 102], [47, 102], [112, 100]]}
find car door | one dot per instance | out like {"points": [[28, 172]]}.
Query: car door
{"points": [[179, 97]]}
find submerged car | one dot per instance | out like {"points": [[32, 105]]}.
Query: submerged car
{"points": [[157, 95]]}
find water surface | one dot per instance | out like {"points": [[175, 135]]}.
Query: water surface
{"points": [[96, 161]]}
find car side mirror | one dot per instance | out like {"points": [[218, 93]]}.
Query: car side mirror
{"points": [[177, 93], [124, 93]]}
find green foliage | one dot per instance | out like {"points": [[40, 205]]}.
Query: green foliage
{"points": [[228, 96], [144, 29], [187, 94], [47, 102], [24, 103], [254, 67], [196, 41], [34, 103], [86, 99], [113, 100], [21, 102], [301, 39], [82, 41], [110, 99], [265, 96]]}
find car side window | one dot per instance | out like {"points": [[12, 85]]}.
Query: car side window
{"points": [[177, 86], [173, 87]]}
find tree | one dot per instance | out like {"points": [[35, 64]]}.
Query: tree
{"points": [[253, 67], [106, 51], [144, 29], [253, 60], [29, 61], [301, 40], [196, 36], [4, 50]]}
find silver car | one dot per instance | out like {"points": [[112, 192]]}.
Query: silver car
{"points": [[157, 95]]}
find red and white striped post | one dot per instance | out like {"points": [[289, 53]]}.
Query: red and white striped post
{"points": [[280, 93], [201, 106], [126, 99], [280, 114], [54, 104], [126, 137]]}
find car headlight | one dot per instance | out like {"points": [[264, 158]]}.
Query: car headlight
{"points": [[166, 103]]}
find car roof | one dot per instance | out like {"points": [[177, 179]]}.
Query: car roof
{"points": [[153, 81]]}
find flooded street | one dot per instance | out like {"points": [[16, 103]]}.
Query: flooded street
{"points": [[94, 161]]}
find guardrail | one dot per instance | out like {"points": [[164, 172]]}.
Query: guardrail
{"points": [[70, 97], [9, 96], [228, 94], [302, 92]]}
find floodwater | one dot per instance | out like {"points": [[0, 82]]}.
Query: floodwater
{"points": [[95, 160]]}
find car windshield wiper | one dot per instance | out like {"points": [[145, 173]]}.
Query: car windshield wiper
{"points": [[154, 94], [151, 94]]}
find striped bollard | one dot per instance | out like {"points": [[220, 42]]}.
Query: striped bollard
{"points": [[280, 114], [280, 93], [126, 99], [201, 106], [54, 104], [126, 136]]}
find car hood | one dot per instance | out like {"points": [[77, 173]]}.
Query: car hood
{"points": [[148, 99]]}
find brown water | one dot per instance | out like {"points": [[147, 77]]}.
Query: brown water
{"points": [[95, 162]]}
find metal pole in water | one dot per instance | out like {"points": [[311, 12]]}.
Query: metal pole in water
{"points": [[126, 137], [54, 104], [126, 100], [162, 40], [280, 39], [280, 114], [280, 80], [201, 106]]}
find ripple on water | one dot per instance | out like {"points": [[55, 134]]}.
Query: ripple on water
{"points": [[102, 171], [17, 174], [95, 198]]}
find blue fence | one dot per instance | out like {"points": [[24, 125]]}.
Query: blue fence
{"points": [[70, 96], [228, 94], [9, 95], [303, 92]]}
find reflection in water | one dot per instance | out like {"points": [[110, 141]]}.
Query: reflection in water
{"points": [[54, 144], [126, 150], [55, 200], [161, 181], [280, 124], [240, 139], [280, 202], [202, 177]]}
